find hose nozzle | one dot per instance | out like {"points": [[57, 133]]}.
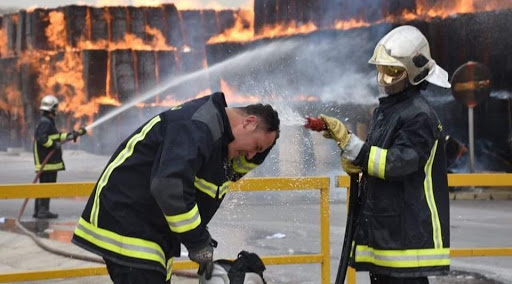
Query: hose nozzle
{"points": [[315, 124]]}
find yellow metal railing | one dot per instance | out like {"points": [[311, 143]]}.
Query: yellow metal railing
{"points": [[486, 180], [21, 191]]}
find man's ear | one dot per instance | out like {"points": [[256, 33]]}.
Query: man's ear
{"points": [[251, 122]]}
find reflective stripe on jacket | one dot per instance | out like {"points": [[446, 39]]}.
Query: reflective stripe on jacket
{"points": [[403, 226], [45, 136], [161, 187]]}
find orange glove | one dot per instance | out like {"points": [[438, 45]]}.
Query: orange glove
{"points": [[349, 167]]}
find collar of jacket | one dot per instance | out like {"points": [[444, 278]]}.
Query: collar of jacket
{"points": [[44, 116], [399, 97], [220, 102]]}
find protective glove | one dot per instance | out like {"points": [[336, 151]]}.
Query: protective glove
{"points": [[205, 268], [72, 135], [81, 131], [204, 257], [349, 167], [336, 130]]}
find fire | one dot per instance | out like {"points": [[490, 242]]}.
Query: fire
{"points": [[4, 50], [243, 29], [285, 30], [56, 30], [425, 10], [350, 24], [12, 102], [92, 107]]}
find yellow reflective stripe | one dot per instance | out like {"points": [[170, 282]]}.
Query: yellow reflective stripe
{"points": [[403, 258], [55, 136], [169, 268], [184, 222], [36, 157], [429, 196], [242, 166], [206, 187], [377, 162], [224, 188], [51, 167], [63, 136], [48, 143], [121, 157], [123, 245]]}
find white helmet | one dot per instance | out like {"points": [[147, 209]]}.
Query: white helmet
{"points": [[49, 103], [405, 48], [220, 276]]}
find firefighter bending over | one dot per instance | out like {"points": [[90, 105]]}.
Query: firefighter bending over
{"points": [[165, 182], [402, 233], [47, 139]]}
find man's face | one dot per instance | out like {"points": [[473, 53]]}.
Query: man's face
{"points": [[249, 138]]}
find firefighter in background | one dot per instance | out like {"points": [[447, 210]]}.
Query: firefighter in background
{"points": [[165, 182], [46, 139], [402, 232]]}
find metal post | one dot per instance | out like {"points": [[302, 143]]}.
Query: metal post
{"points": [[471, 140]]}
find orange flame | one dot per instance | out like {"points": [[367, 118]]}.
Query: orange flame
{"points": [[350, 24], [56, 30], [4, 50], [242, 30]]}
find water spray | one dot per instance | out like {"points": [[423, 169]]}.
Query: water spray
{"points": [[268, 52]]}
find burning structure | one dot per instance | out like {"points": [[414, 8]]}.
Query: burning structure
{"points": [[307, 55]]}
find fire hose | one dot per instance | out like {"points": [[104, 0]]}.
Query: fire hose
{"points": [[352, 216], [68, 254], [318, 124]]}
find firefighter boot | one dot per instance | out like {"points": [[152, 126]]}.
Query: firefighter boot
{"points": [[43, 209]]}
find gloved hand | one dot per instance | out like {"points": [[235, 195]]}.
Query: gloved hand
{"points": [[72, 135], [336, 130], [204, 257], [81, 131], [205, 268], [349, 167]]}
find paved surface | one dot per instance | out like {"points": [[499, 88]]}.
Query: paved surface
{"points": [[266, 223]]}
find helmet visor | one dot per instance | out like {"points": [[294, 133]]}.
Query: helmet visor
{"points": [[391, 71]]}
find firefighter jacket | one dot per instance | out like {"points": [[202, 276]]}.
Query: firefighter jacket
{"points": [[403, 224], [162, 186], [45, 138]]}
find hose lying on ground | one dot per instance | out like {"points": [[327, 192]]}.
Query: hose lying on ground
{"points": [[67, 254]]}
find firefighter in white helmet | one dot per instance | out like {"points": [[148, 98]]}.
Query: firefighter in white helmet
{"points": [[47, 139], [402, 233]]}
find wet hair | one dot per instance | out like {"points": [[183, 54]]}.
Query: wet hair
{"points": [[266, 113]]}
